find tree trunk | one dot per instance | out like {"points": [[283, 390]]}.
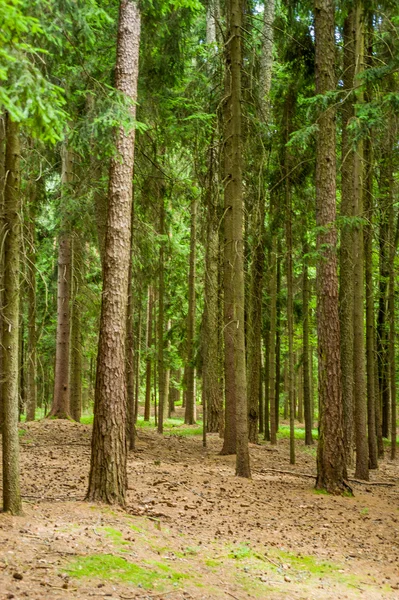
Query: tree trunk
{"points": [[108, 477], [11, 244], [360, 393], [31, 387], [148, 362], [254, 341], [307, 402], [272, 339], [76, 332], [189, 415], [160, 319], [346, 288], [331, 469], [369, 292], [60, 408], [234, 246], [278, 334]]}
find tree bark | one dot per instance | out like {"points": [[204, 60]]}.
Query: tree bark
{"points": [[31, 386], [148, 344], [76, 331], [346, 288], [189, 415], [360, 393], [369, 291], [331, 469], [11, 244], [60, 408], [307, 403], [234, 246], [108, 477]]}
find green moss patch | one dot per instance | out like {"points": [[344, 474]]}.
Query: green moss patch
{"points": [[115, 568]]}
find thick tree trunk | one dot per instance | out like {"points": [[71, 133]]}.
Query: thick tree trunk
{"points": [[60, 408], [189, 415], [3, 120], [11, 244], [108, 477], [234, 247], [331, 469]]}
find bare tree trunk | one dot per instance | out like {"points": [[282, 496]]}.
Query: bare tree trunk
{"points": [[189, 416], [11, 244], [60, 407], [31, 386], [369, 292], [148, 344], [360, 392], [234, 247], [160, 320], [76, 331], [346, 288], [108, 477], [307, 402], [331, 470], [272, 339]]}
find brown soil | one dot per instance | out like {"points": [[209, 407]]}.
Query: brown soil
{"points": [[201, 532]]}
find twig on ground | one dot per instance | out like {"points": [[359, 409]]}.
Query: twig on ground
{"points": [[294, 474]]}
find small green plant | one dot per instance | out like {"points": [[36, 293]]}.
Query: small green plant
{"points": [[364, 511], [241, 552]]}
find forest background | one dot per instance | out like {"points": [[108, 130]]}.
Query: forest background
{"points": [[246, 119]]}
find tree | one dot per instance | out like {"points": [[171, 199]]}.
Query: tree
{"points": [[60, 407], [236, 393], [108, 478], [331, 470], [11, 240]]}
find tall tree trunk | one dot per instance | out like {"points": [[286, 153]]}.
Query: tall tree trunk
{"points": [[234, 246], [254, 342], [307, 402], [360, 394], [331, 469], [369, 292], [60, 407], [76, 331], [11, 244], [31, 386], [148, 361], [278, 333], [346, 288], [290, 285], [189, 415], [160, 319], [108, 477], [272, 335]]}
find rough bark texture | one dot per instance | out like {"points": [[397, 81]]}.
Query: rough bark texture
{"points": [[330, 451], [254, 337], [160, 319], [148, 344], [346, 288], [272, 337], [307, 404], [11, 242], [369, 291], [31, 387], [2, 187], [108, 477], [189, 415], [234, 243], [60, 407], [76, 331]]}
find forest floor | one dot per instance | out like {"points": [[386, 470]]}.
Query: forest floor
{"points": [[192, 530]]}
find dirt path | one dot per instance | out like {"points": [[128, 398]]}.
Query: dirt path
{"points": [[193, 530]]}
